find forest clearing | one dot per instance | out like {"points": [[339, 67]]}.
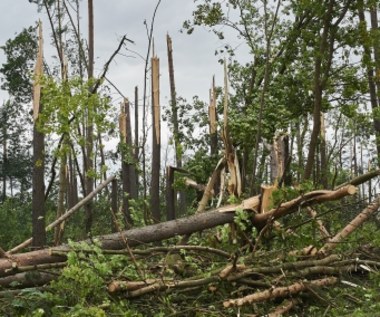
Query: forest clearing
{"points": [[260, 201]]}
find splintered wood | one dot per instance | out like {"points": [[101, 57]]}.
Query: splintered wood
{"points": [[38, 72]]}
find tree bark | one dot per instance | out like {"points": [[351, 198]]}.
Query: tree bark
{"points": [[5, 152], [213, 121], [136, 142], [367, 59], [320, 72], [116, 241], [127, 162], [170, 194], [27, 279], [156, 142], [61, 195], [376, 46], [38, 194], [277, 292], [89, 125], [175, 123]]}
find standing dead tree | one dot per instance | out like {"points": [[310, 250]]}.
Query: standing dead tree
{"points": [[38, 198], [156, 141]]}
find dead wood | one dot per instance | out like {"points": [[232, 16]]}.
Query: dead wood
{"points": [[355, 223], [161, 284], [322, 229], [266, 197], [250, 204], [230, 274], [230, 155], [166, 230], [178, 248], [27, 279], [210, 186], [279, 292], [283, 268], [116, 241], [155, 250], [285, 307], [193, 184], [118, 286], [308, 199]]}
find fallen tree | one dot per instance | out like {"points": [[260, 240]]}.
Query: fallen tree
{"points": [[184, 226]]}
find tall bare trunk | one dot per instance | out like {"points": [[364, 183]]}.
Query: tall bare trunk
{"points": [[89, 124], [376, 46], [213, 123], [38, 195], [5, 154], [156, 142], [176, 133], [173, 101], [72, 184], [323, 154], [373, 87], [170, 194], [61, 207], [128, 164], [136, 142], [376, 50]]}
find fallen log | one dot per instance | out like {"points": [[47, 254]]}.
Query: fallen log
{"points": [[169, 229], [279, 292], [285, 307], [27, 279], [116, 241]]}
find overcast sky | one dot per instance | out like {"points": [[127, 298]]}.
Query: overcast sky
{"points": [[194, 59]]}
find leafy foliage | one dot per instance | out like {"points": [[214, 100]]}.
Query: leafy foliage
{"points": [[15, 221], [17, 71]]}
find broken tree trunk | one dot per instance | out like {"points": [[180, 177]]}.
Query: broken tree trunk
{"points": [[279, 292], [127, 164], [38, 192], [27, 279], [210, 186], [360, 179], [156, 141], [230, 155], [117, 241], [317, 196], [213, 120]]}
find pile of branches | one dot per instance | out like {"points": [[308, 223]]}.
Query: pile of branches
{"points": [[238, 276]]}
